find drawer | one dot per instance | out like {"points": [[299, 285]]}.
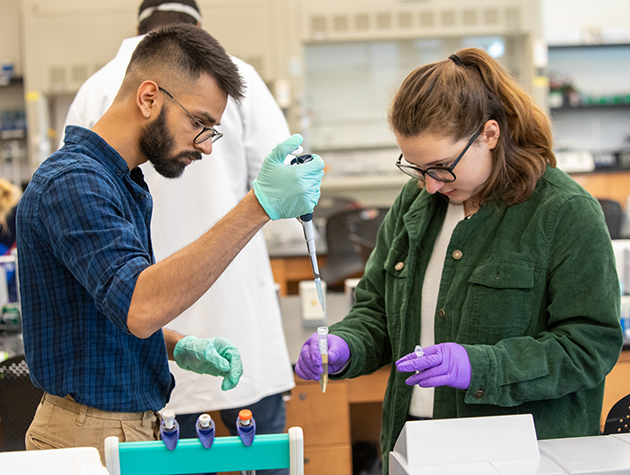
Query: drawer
{"points": [[329, 460], [324, 417]]}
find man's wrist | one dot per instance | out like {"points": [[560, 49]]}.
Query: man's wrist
{"points": [[251, 199], [172, 339]]}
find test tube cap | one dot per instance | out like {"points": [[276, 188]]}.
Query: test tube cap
{"points": [[245, 415], [205, 420], [168, 416]]}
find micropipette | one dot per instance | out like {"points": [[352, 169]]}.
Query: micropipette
{"points": [[309, 233], [322, 340]]}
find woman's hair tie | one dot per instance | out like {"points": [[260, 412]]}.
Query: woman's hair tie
{"points": [[455, 59]]}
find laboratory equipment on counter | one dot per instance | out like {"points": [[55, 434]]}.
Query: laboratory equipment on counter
{"points": [[312, 312], [498, 445], [73, 461], [322, 340], [169, 429], [309, 231], [419, 351], [246, 427], [205, 430]]}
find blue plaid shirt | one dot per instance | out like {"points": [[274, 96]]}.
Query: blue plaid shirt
{"points": [[83, 238]]}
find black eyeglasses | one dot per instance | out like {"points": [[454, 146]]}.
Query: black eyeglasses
{"points": [[206, 133], [444, 174]]}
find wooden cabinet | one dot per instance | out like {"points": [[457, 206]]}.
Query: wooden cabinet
{"points": [[288, 271], [608, 185], [325, 420], [349, 411]]}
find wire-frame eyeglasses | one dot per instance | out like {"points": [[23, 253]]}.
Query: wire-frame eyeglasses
{"points": [[206, 132], [444, 174]]}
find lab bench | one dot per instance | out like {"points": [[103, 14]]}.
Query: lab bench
{"points": [[355, 406], [350, 410]]}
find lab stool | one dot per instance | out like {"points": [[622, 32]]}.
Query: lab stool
{"points": [[227, 454]]}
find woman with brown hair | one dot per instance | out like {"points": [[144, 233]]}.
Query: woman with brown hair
{"points": [[494, 261]]}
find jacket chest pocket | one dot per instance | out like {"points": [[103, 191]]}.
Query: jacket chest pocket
{"points": [[395, 267], [500, 302]]}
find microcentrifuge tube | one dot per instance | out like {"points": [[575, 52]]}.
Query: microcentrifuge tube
{"points": [[322, 341], [205, 430], [246, 427], [419, 351], [169, 429]]}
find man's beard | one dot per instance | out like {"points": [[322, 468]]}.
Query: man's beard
{"points": [[156, 143]]}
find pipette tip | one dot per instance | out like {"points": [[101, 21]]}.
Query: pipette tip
{"points": [[320, 293], [323, 382]]}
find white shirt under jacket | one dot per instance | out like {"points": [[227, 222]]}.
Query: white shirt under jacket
{"points": [[242, 304]]}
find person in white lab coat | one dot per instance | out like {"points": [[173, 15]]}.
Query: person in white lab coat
{"points": [[242, 305]]}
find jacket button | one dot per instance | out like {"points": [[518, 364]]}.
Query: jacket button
{"points": [[457, 255], [479, 394], [399, 266], [441, 313]]}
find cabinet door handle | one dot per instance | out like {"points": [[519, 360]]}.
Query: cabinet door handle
{"points": [[302, 397]]}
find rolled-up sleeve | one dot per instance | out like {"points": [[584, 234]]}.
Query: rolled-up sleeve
{"points": [[91, 233]]}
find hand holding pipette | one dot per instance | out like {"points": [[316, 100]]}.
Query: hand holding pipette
{"points": [[309, 231], [288, 192]]}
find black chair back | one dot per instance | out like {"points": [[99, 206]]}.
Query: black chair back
{"points": [[613, 213], [19, 399], [350, 238], [618, 419]]}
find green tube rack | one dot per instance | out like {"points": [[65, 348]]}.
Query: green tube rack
{"points": [[227, 454]]}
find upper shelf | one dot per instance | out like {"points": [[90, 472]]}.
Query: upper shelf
{"points": [[587, 107], [590, 45], [14, 80]]}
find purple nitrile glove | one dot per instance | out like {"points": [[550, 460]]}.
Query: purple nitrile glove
{"points": [[309, 365], [446, 364]]}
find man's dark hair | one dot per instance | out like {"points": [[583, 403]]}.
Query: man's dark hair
{"points": [[154, 14], [181, 53]]}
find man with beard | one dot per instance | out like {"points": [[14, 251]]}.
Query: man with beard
{"points": [[94, 301], [218, 183]]}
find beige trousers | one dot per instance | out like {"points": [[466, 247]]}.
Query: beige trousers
{"points": [[63, 423]]}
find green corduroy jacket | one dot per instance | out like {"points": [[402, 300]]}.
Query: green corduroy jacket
{"points": [[531, 292]]}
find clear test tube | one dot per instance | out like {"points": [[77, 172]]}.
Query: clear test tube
{"points": [[322, 340]]}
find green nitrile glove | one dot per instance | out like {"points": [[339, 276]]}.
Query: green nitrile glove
{"points": [[214, 356], [288, 191]]}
